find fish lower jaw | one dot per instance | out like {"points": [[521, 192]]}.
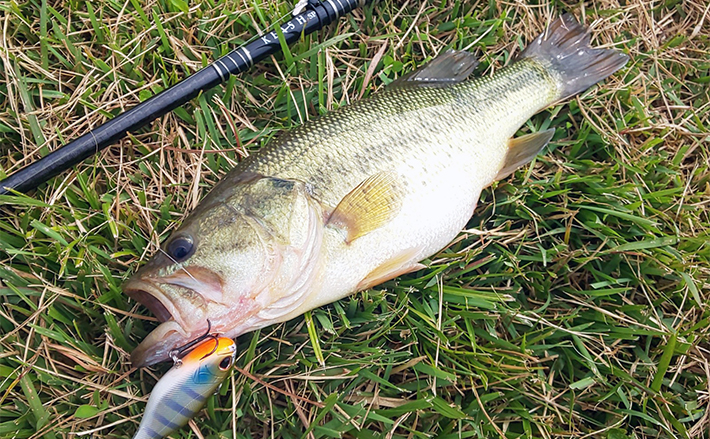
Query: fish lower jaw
{"points": [[156, 347], [179, 325]]}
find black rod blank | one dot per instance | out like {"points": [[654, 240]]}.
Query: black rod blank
{"points": [[314, 17]]}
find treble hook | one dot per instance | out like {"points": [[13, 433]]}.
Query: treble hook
{"points": [[178, 353]]}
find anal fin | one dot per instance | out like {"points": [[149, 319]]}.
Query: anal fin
{"points": [[373, 203], [522, 150], [402, 263]]}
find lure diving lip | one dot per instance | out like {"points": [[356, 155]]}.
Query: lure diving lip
{"points": [[184, 389]]}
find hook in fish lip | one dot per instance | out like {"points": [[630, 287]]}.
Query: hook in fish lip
{"points": [[181, 310], [178, 353]]}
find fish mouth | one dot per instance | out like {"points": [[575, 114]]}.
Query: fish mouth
{"points": [[181, 316], [152, 296], [149, 301]]}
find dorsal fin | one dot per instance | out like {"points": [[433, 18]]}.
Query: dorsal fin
{"points": [[451, 67]]}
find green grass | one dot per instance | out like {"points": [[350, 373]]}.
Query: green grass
{"points": [[575, 304]]}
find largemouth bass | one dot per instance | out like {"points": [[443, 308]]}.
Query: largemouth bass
{"points": [[358, 196]]}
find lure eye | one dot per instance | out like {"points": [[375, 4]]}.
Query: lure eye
{"points": [[226, 363], [180, 248]]}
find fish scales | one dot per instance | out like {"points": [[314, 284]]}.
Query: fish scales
{"points": [[406, 129], [358, 196]]}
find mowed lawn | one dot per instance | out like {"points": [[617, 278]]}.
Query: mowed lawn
{"points": [[575, 304]]}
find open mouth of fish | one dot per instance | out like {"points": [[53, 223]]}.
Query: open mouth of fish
{"points": [[180, 310], [150, 301]]}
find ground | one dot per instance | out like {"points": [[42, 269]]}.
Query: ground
{"points": [[575, 304]]}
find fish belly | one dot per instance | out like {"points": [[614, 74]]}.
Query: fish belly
{"points": [[431, 216], [444, 155]]}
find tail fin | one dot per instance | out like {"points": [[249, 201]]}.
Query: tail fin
{"points": [[564, 49]]}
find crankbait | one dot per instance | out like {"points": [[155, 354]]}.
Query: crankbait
{"points": [[184, 389]]}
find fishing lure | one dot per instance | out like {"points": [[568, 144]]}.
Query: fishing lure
{"points": [[184, 389]]}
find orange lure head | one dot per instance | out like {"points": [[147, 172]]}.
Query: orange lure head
{"points": [[214, 354]]}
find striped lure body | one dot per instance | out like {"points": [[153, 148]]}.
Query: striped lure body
{"points": [[184, 389]]}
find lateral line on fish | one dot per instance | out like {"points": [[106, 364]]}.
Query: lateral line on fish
{"points": [[442, 145]]}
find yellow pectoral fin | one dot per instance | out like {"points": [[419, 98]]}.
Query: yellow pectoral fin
{"points": [[370, 205], [522, 150], [403, 263]]}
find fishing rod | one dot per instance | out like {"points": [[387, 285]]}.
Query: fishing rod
{"points": [[308, 17]]}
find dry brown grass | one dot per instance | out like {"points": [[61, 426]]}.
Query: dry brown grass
{"points": [[570, 357]]}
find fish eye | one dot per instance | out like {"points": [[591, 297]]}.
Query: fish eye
{"points": [[225, 363], [180, 248]]}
